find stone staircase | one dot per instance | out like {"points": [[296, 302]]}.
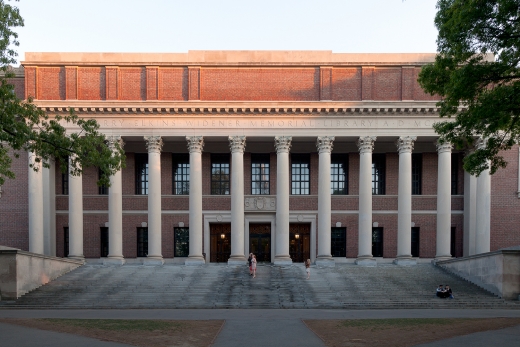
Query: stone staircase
{"points": [[220, 286]]}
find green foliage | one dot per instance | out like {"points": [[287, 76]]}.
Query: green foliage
{"points": [[476, 73], [26, 128]]}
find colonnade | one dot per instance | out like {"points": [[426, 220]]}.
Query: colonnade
{"points": [[282, 145]]}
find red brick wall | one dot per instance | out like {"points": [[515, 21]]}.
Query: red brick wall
{"points": [[273, 84], [14, 228], [346, 84], [173, 84], [51, 83], [91, 83], [133, 84], [387, 84]]}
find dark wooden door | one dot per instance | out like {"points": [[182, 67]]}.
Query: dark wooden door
{"points": [[299, 242], [260, 241], [220, 240]]}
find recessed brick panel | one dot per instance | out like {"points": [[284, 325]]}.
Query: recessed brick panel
{"points": [[133, 83], [387, 83], [51, 83], [346, 84], [173, 84], [256, 84], [91, 83]]}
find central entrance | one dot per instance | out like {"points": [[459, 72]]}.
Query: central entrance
{"points": [[260, 241], [299, 242], [220, 237]]}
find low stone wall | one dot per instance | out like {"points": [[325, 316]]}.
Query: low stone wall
{"points": [[497, 272], [21, 272]]}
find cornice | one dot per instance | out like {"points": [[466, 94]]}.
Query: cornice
{"points": [[237, 108]]}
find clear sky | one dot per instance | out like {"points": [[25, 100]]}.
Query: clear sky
{"points": [[343, 26]]}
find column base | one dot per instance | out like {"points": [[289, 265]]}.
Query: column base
{"points": [[77, 257], [194, 261], [153, 260], [405, 261], [325, 262], [282, 260], [365, 261], [237, 260], [441, 258], [114, 261]]}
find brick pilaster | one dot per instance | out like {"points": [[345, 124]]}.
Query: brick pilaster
{"points": [[152, 73], [325, 83], [367, 83], [30, 81], [194, 83], [71, 82], [112, 82], [407, 83]]}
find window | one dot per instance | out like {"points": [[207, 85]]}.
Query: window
{"points": [[181, 174], [339, 174], [416, 174], [65, 241], [102, 190], [181, 239], [377, 242], [104, 241], [415, 242], [454, 174], [65, 181], [220, 174], [300, 174], [260, 174], [141, 174], [142, 242], [338, 245], [378, 174]]}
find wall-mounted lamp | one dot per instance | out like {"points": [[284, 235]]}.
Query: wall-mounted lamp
{"points": [[297, 236], [144, 224], [222, 236]]}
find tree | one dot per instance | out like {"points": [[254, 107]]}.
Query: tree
{"points": [[476, 72], [25, 127]]}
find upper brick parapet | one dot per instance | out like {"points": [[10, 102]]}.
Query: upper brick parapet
{"points": [[229, 57], [279, 76]]}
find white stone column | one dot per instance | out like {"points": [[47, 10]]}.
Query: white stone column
{"points": [[283, 146], [115, 211], [49, 209], [154, 146], [75, 214], [237, 145], [443, 201], [404, 202], [483, 208], [324, 145], [35, 189], [366, 146], [195, 145], [470, 214]]}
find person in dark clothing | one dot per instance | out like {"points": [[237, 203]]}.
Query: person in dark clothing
{"points": [[440, 291], [448, 292]]}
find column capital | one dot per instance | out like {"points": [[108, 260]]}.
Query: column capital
{"points": [[153, 144], [325, 144], [366, 144], [195, 144], [282, 144], [113, 141], [481, 143], [237, 144], [443, 146], [35, 162], [405, 144]]}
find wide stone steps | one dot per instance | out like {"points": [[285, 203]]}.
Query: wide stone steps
{"points": [[221, 286]]}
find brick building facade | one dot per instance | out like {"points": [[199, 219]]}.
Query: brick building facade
{"points": [[299, 109]]}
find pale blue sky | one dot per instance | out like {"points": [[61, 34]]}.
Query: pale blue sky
{"points": [[348, 26]]}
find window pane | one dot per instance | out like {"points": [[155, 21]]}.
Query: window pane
{"points": [[141, 176], [181, 174], [378, 174]]}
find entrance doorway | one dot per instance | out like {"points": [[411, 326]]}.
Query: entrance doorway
{"points": [[220, 239], [260, 241], [299, 242]]}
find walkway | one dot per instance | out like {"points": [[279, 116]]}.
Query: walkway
{"points": [[254, 327]]}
